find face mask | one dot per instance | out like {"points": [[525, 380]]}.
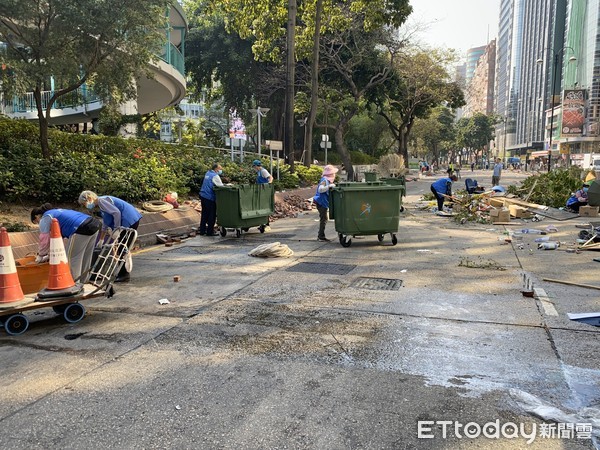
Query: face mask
{"points": [[90, 205], [585, 189], [219, 172]]}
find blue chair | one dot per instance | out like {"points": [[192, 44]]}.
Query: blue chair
{"points": [[471, 185]]}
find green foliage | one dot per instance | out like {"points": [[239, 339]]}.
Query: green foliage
{"points": [[361, 158], [132, 169], [550, 189], [309, 176]]}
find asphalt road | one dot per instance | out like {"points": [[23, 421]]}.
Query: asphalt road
{"points": [[371, 346]]}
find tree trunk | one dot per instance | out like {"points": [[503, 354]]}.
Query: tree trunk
{"points": [[314, 86], [43, 123], [340, 146], [289, 90]]}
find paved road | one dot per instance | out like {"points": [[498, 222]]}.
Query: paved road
{"points": [[331, 348]]}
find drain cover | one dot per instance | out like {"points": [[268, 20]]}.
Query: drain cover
{"points": [[192, 250], [280, 235], [377, 284], [326, 269]]}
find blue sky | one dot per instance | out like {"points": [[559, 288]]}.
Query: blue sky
{"points": [[458, 24]]}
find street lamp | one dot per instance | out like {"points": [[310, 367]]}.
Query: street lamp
{"points": [[260, 112], [552, 89]]}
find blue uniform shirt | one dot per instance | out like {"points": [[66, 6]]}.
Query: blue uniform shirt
{"points": [[322, 198]]}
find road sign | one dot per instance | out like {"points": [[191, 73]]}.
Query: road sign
{"points": [[275, 146], [322, 144], [325, 137]]}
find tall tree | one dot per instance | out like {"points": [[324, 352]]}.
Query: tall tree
{"points": [[107, 44], [421, 82]]}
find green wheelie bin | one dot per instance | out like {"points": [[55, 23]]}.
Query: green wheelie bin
{"points": [[244, 206], [363, 209], [397, 181]]}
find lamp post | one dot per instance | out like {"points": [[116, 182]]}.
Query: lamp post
{"points": [[260, 112], [552, 90]]}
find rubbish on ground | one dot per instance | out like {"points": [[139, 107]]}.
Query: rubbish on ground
{"points": [[571, 283], [532, 231], [164, 238], [548, 245], [273, 250], [583, 225], [423, 250], [588, 318], [164, 301], [537, 218], [157, 206], [291, 206], [480, 263], [551, 229], [545, 411], [403, 271], [176, 278], [542, 239]]}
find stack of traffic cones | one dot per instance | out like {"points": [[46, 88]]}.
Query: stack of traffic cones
{"points": [[60, 280], [10, 287]]}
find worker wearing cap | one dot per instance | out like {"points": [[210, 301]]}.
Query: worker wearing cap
{"points": [[442, 187], [579, 198], [262, 175], [321, 198]]}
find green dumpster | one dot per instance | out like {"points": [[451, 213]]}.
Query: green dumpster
{"points": [[244, 206], [362, 209], [399, 181], [370, 176]]}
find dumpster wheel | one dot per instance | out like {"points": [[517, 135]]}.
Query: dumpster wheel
{"points": [[262, 228], [394, 239], [238, 232], [380, 237], [345, 241], [223, 231]]}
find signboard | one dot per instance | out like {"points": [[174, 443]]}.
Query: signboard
{"points": [[323, 143], [237, 129], [573, 112], [275, 146]]}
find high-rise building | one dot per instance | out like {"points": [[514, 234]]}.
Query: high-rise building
{"points": [[480, 90], [473, 55]]}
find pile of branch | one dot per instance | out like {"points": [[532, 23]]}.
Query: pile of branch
{"points": [[291, 206]]}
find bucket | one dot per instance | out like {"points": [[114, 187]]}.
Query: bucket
{"points": [[32, 276]]}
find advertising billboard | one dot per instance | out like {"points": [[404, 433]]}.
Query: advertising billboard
{"points": [[573, 112]]}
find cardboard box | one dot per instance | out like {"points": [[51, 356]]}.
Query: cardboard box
{"points": [[519, 212], [588, 211], [500, 215]]}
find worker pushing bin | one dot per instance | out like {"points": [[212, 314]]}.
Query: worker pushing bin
{"points": [[244, 206], [363, 209]]}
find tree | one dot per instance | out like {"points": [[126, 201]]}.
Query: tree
{"points": [[476, 132], [436, 133], [421, 82], [105, 44]]}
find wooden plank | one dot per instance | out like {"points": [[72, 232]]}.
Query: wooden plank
{"points": [[515, 201], [570, 283]]}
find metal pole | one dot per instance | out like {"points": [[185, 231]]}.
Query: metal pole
{"points": [[552, 106], [326, 142], [258, 117]]}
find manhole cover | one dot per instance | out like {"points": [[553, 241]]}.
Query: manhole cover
{"points": [[378, 284], [327, 269], [191, 250]]}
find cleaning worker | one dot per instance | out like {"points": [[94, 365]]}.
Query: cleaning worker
{"points": [[208, 200], [115, 213], [262, 175], [442, 187], [579, 198], [81, 231], [321, 198]]}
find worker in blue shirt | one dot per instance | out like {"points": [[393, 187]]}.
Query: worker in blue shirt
{"points": [[262, 175], [442, 187], [208, 200], [80, 229]]}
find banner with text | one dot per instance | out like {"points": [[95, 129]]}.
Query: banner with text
{"points": [[573, 112]]}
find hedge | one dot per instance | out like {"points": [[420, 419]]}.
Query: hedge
{"points": [[132, 169]]}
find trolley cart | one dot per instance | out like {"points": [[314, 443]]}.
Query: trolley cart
{"points": [[363, 209], [113, 254], [244, 206]]}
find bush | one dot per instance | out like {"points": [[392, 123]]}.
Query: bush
{"points": [[550, 189]]}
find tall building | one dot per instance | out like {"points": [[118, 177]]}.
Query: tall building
{"points": [[480, 90], [473, 55], [581, 82]]}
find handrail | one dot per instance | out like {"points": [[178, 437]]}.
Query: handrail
{"points": [[24, 103], [172, 55]]}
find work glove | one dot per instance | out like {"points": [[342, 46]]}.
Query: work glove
{"points": [[331, 185], [41, 259]]}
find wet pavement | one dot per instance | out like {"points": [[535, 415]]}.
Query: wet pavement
{"points": [[331, 348]]}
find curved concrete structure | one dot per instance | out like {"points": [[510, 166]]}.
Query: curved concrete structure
{"points": [[166, 88]]}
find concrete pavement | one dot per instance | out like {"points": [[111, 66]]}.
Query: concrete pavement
{"points": [[332, 348]]}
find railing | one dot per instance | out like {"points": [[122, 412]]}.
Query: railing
{"points": [[26, 102], [173, 56]]}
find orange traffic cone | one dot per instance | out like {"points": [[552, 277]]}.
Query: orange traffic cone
{"points": [[10, 286], [60, 280]]}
